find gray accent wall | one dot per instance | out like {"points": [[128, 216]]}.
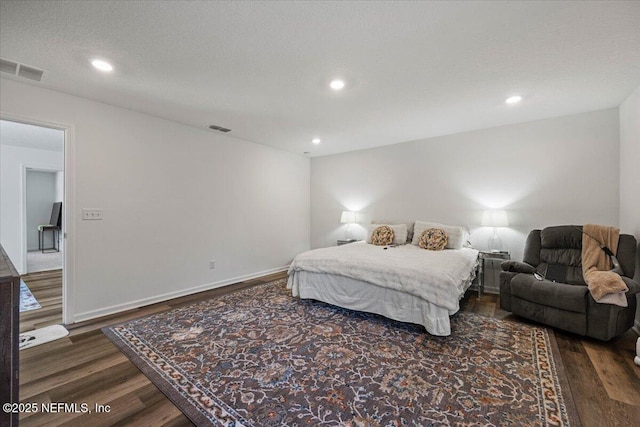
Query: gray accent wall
{"points": [[549, 172]]}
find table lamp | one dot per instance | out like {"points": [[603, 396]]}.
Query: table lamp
{"points": [[348, 217], [495, 218]]}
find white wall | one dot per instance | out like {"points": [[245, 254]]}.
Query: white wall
{"points": [[549, 172], [59, 193], [630, 174], [13, 159], [173, 198]]}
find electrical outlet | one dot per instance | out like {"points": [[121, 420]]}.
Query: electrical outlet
{"points": [[212, 265], [91, 214]]}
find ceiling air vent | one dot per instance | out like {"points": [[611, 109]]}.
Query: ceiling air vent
{"points": [[219, 129], [7, 66], [21, 70], [30, 73]]}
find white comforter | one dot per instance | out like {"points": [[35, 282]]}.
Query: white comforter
{"points": [[436, 276]]}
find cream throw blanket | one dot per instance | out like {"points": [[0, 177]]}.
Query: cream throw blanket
{"points": [[605, 286]]}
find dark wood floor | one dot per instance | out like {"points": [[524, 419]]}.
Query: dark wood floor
{"points": [[46, 286], [87, 367]]}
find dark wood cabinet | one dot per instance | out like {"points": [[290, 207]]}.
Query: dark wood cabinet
{"points": [[9, 336]]}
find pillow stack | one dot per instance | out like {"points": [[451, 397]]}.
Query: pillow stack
{"points": [[456, 235], [398, 233]]}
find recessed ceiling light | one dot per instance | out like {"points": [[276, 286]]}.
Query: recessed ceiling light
{"points": [[336, 84], [316, 141], [102, 65], [513, 99]]}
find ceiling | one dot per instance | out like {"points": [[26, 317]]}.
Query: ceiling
{"points": [[413, 70], [29, 136]]}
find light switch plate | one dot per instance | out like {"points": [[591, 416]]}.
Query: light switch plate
{"points": [[91, 214]]}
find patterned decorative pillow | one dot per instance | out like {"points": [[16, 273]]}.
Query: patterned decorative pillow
{"points": [[382, 236], [433, 239]]}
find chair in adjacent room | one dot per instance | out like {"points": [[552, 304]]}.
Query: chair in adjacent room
{"points": [[55, 225], [566, 303]]}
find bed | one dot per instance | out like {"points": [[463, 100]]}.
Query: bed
{"points": [[404, 282]]}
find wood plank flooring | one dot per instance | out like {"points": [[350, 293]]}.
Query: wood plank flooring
{"points": [[86, 367], [46, 286]]}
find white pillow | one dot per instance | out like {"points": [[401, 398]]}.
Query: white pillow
{"points": [[399, 232], [456, 235]]}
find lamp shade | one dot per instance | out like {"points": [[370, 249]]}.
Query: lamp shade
{"points": [[348, 217], [494, 218]]}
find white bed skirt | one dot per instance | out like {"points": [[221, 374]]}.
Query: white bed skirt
{"points": [[363, 296]]}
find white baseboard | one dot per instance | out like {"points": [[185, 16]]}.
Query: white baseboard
{"points": [[491, 290], [486, 290], [93, 314]]}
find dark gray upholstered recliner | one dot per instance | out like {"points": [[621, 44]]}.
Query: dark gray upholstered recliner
{"points": [[567, 306]]}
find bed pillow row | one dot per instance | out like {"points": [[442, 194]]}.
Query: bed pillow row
{"points": [[456, 235]]}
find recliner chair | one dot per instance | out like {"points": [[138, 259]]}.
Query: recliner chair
{"points": [[567, 306]]}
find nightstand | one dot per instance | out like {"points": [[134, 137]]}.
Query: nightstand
{"points": [[344, 242], [489, 269]]}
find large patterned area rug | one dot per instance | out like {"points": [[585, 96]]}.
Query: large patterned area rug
{"points": [[259, 357]]}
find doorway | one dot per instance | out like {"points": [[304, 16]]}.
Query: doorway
{"points": [[32, 162], [44, 193]]}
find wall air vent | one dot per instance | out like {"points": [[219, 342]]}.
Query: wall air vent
{"points": [[7, 66], [21, 70], [219, 129]]}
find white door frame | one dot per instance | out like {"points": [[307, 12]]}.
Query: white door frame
{"points": [[68, 209]]}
